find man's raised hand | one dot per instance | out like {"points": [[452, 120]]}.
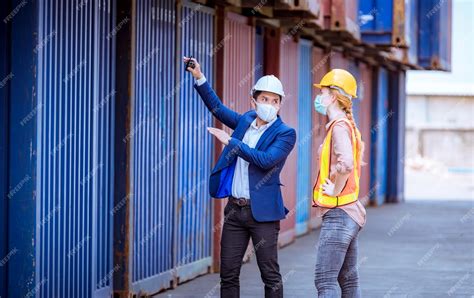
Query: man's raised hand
{"points": [[196, 71]]}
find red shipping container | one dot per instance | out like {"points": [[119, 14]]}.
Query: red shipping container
{"points": [[289, 61], [321, 62], [234, 79], [365, 118]]}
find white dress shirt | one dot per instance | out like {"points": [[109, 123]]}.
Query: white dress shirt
{"points": [[240, 181]]}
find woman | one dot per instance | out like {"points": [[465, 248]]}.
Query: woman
{"points": [[335, 193]]}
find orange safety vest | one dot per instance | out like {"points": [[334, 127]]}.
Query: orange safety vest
{"points": [[350, 191]]}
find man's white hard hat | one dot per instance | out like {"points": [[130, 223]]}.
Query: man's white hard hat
{"points": [[268, 83]]}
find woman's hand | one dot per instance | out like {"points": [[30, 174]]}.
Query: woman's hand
{"points": [[196, 72], [221, 135], [328, 188]]}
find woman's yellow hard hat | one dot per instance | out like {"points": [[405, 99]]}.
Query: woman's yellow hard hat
{"points": [[340, 78]]}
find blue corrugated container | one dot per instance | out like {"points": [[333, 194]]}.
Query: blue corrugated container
{"points": [[259, 53], [383, 21], [154, 209], [5, 76], [396, 138], [380, 117], [305, 105], [434, 44], [74, 137], [194, 231], [22, 201], [61, 129]]}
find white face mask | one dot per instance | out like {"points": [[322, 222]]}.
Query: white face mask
{"points": [[266, 112]]}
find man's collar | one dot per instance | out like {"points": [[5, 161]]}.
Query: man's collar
{"points": [[265, 126]]}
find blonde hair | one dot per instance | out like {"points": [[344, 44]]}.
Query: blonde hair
{"points": [[345, 104]]}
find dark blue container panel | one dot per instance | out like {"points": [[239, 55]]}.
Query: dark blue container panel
{"points": [[152, 136], [376, 21], [259, 53], [356, 102], [193, 243], [6, 76], [74, 136], [434, 46], [380, 117], [305, 105], [396, 139]]}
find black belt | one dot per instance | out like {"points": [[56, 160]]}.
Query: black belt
{"points": [[240, 201]]}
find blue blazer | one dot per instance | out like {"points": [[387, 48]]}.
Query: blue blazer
{"points": [[265, 160]]}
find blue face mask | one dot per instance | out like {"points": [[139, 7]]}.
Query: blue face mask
{"points": [[318, 105]]}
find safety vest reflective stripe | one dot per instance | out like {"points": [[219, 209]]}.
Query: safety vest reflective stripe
{"points": [[350, 192]]}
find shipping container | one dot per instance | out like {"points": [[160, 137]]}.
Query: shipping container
{"points": [[381, 115], [61, 128], [172, 151], [304, 132], [434, 39], [22, 203], [353, 68], [383, 22], [321, 64], [396, 137], [259, 54], [288, 74], [337, 60], [5, 77], [239, 67], [365, 98], [195, 150], [302, 8], [342, 16], [235, 53], [154, 210]]}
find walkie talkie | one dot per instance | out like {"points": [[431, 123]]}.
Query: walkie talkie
{"points": [[190, 63]]}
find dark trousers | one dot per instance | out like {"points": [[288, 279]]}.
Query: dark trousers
{"points": [[239, 226]]}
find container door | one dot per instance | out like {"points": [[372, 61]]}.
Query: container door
{"points": [[321, 63], [259, 53], [396, 139], [75, 153], [365, 115], [193, 230], [152, 135], [305, 105], [380, 118], [289, 59]]}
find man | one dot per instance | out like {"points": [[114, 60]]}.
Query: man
{"points": [[248, 172]]}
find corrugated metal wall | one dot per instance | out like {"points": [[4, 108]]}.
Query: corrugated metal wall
{"points": [[194, 230], [434, 44], [321, 63], [4, 98], [396, 138], [289, 61], [354, 70], [304, 131], [365, 117], [259, 53], [75, 104], [239, 67], [152, 136], [380, 117]]}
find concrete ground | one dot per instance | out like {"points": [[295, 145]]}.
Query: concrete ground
{"points": [[413, 249]]}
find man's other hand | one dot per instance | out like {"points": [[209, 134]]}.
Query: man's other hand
{"points": [[221, 135]]}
